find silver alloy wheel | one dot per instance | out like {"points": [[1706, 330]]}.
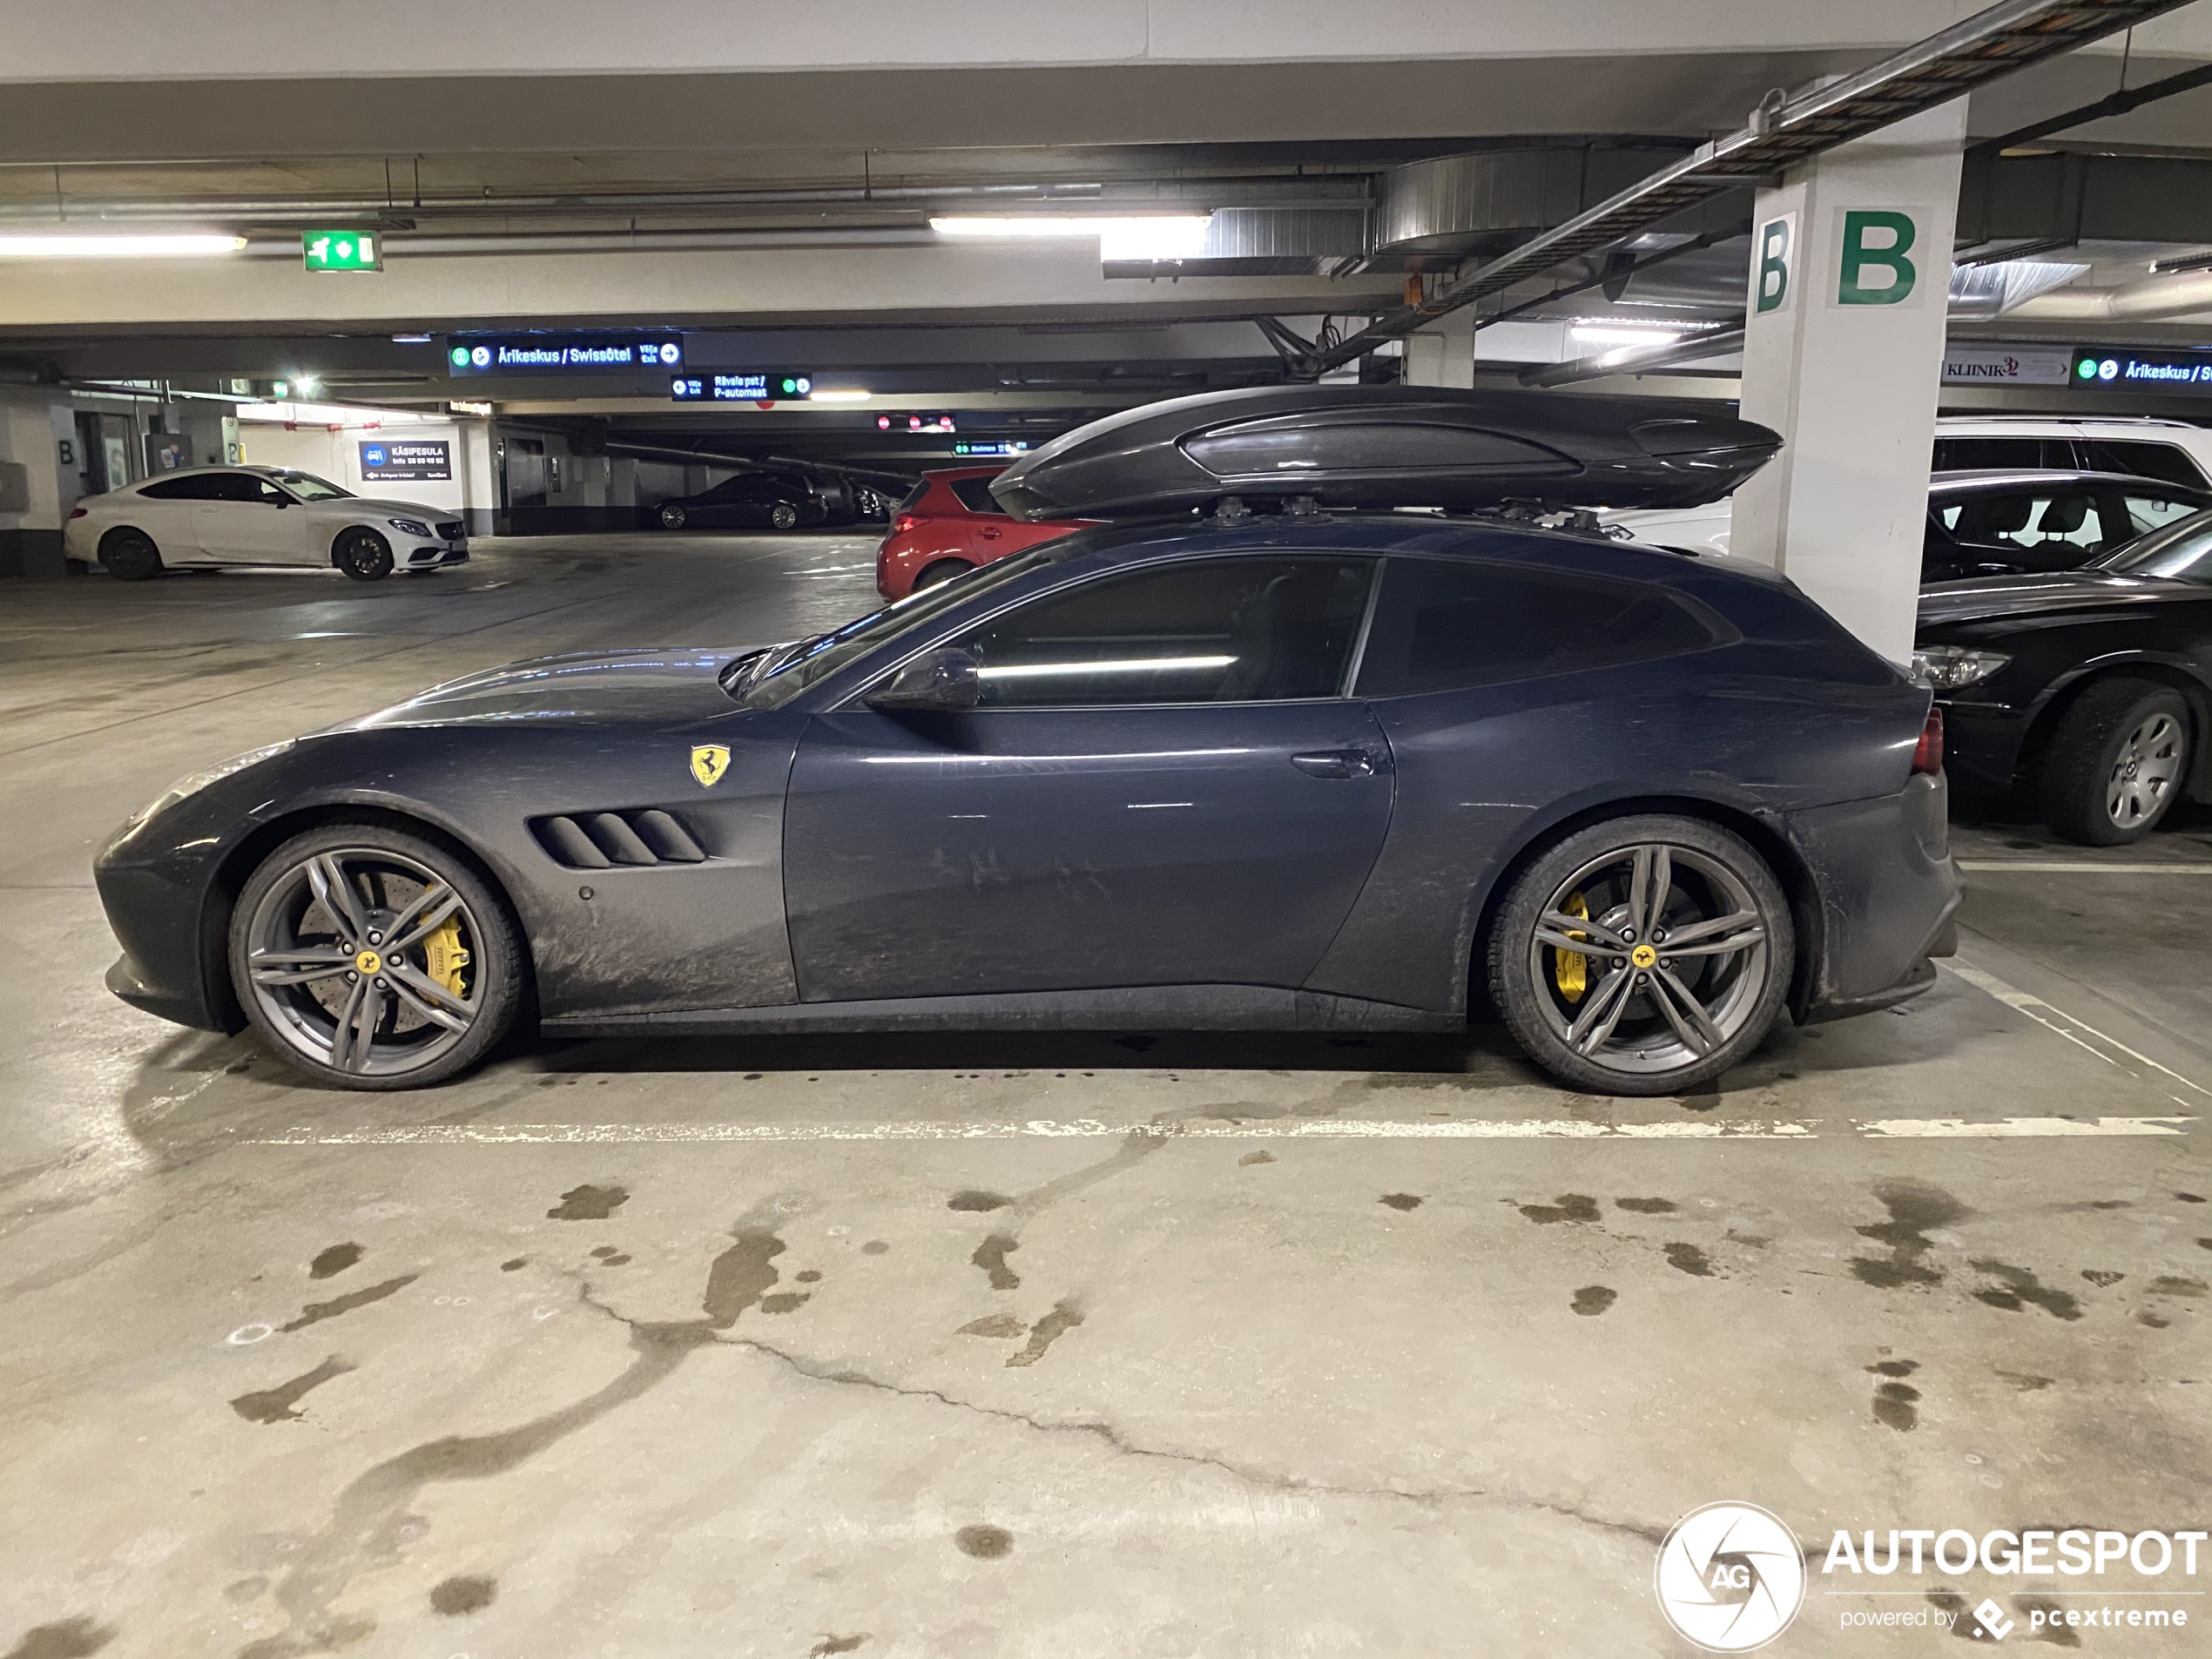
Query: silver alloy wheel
{"points": [[671, 518], [359, 957], [783, 516], [1648, 958], [2146, 770]]}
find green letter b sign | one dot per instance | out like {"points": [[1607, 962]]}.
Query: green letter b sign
{"points": [[1771, 274], [1874, 270]]}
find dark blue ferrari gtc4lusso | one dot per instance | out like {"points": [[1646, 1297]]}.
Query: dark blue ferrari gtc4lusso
{"points": [[1264, 750]]}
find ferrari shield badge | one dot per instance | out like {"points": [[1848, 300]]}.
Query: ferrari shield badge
{"points": [[709, 762]]}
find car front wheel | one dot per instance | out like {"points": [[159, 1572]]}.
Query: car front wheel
{"points": [[671, 518], [375, 958], [363, 555], [1645, 955], [2119, 759]]}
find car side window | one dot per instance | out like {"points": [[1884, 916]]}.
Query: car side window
{"points": [[2185, 557], [2166, 461], [1215, 630], [2006, 455], [242, 487], [198, 487], [1444, 625], [2146, 511], [974, 495]]}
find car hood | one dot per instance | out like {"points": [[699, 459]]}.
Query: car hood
{"points": [[585, 687], [1990, 598], [351, 504]]}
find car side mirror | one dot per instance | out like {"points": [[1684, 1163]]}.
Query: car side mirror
{"points": [[281, 501], [945, 678]]}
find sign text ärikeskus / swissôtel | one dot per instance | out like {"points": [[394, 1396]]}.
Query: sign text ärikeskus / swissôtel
{"points": [[2161, 371], [561, 354]]}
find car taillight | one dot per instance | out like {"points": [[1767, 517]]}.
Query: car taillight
{"points": [[906, 521], [79, 512], [1928, 756]]}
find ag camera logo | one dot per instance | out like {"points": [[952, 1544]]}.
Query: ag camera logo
{"points": [[1730, 1577]]}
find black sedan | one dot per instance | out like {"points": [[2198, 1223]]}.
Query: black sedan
{"points": [[1304, 769], [776, 501], [2088, 690]]}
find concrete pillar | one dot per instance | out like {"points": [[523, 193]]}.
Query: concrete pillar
{"points": [[477, 478], [36, 487], [1843, 353], [1443, 354]]}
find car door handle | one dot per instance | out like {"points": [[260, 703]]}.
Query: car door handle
{"points": [[1336, 763], [990, 534]]}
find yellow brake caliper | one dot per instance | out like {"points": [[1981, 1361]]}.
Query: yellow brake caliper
{"points": [[444, 955], [1572, 968]]}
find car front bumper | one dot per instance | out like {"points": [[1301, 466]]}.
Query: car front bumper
{"points": [[432, 556]]}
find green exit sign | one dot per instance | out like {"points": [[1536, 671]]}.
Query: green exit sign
{"points": [[341, 251]]}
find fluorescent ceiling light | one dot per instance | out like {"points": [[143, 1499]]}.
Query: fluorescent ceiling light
{"points": [[1158, 236], [412, 340], [839, 397], [57, 245], [1136, 665], [1614, 335]]}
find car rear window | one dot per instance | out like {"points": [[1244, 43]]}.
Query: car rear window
{"points": [[974, 495], [2168, 463], [907, 501], [1443, 626]]}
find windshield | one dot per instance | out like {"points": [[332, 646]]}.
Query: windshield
{"points": [[2181, 550], [307, 487], [815, 659]]}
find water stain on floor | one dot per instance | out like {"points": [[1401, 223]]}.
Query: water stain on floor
{"points": [[2102, 1280], [335, 1260], [1567, 1206], [77, 1638], [973, 1199], [1647, 1206], [1897, 1403], [1065, 1318], [984, 1543], [1269, 1158], [316, 1312], [830, 1644], [274, 1405], [466, 1593], [1400, 1200], [991, 1255], [1689, 1259], [2026, 1381], [1004, 1326], [588, 1203], [2017, 1287], [1914, 1207], [1593, 1299]]}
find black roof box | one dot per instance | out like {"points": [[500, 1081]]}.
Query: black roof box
{"points": [[1380, 447]]}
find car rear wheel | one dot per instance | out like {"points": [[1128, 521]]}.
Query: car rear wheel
{"points": [[375, 958], [943, 570], [2119, 760], [130, 556], [783, 516], [671, 517], [1645, 955], [362, 555]]}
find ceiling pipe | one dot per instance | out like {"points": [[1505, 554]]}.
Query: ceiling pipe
{"points": [[1639, 360], [2179, 295]]}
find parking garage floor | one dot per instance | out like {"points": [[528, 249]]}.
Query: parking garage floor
{"points": [[991, 1346]]}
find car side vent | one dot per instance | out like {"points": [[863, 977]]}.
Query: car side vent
{"points": [[640, 835]]}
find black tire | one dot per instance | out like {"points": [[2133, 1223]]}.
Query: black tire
{"points": [[1651, 1043], [131, 555], [671, 516], [362, 555], [783, 517], [2118, 761], [943, 570], [290, 1017]]}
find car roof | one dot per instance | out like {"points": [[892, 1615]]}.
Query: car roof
{"points": [[1964, 482], [953, 475], [2065, 425]]}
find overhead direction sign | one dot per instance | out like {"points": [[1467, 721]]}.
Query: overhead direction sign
{"points": [[561, 353], [2112, 368], [764, 386]]}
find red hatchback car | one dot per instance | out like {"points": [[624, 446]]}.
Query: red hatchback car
{"points": [[947, 525]]}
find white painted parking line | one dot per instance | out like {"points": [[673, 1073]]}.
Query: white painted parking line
{"points": [[1959, 1129], [2081, 1033], [1527, 1129], [2056, 866]]}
